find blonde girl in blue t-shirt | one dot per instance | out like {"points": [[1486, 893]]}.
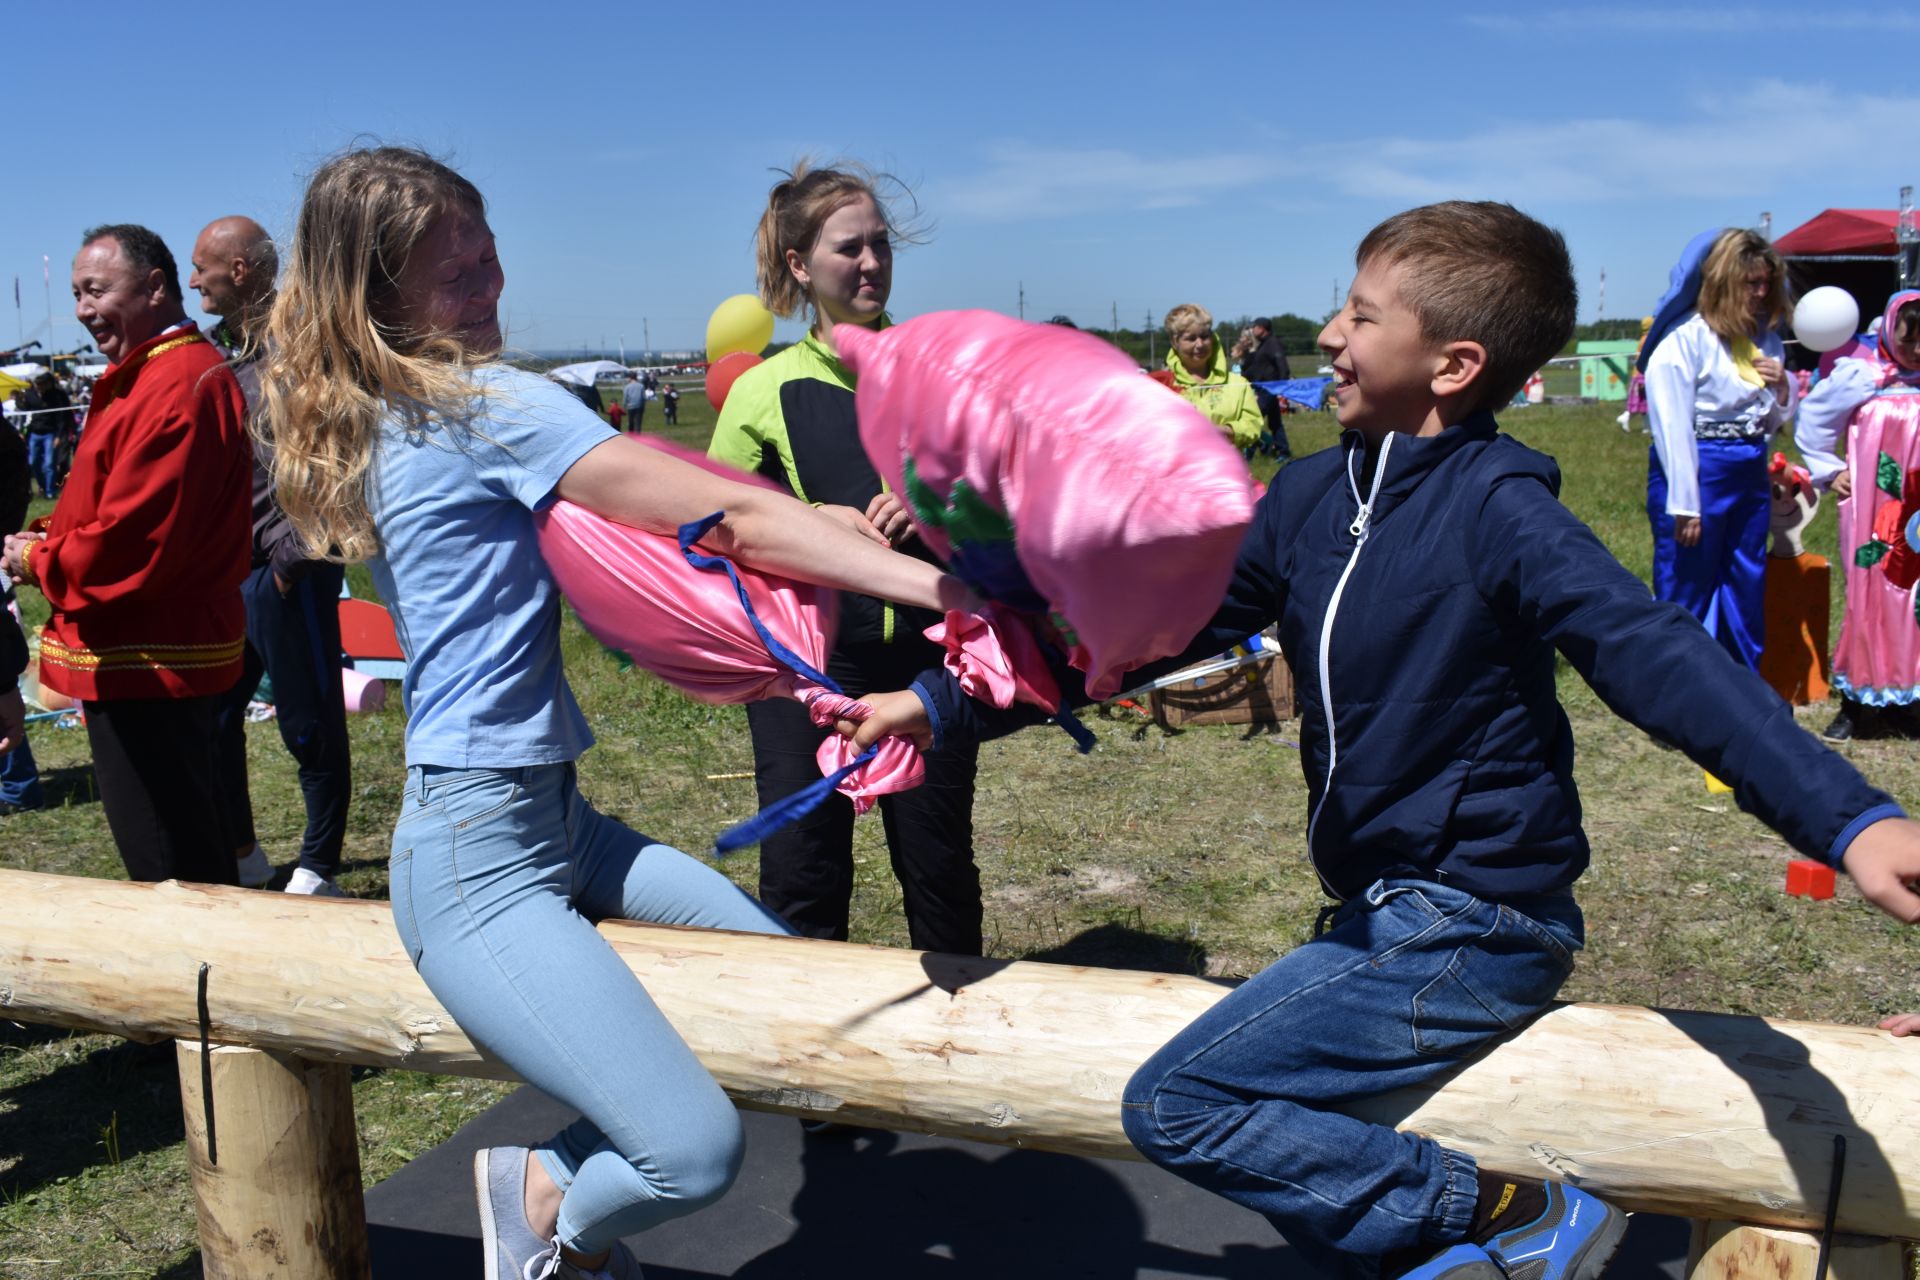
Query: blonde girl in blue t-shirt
{"points": [[401, 439]]}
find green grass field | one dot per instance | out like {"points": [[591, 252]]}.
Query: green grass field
{"points": [[1160, 850]]}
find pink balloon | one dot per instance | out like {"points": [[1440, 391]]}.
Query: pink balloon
{"points": [[1052, 475]]}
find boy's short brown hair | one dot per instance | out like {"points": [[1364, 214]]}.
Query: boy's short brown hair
{"points": [[1482, 271]]}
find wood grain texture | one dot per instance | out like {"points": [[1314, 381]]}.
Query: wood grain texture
{"points": [[1732, 1251], [278, 1195]]}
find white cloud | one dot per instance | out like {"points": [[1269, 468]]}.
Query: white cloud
{"points": [[1772, 142], [1764, 23], [1773, 139], [1023, 181]]}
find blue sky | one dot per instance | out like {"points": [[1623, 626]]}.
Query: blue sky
{"points": [[1114, 155]]}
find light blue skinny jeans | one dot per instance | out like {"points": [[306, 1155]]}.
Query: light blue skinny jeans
{"points": [[498, 876], [1412, 979]]}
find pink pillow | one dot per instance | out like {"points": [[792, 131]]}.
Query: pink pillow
{"points": [[637, 592], [1052, 475]]}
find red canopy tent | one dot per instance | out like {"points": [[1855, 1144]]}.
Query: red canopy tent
{"points": [[1856, 249], [1846, 233]]}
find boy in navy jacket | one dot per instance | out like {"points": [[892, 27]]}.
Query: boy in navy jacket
{"points": [[1423, 574]]}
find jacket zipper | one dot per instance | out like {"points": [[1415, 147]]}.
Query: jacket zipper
{"points": [[1359, 529]]}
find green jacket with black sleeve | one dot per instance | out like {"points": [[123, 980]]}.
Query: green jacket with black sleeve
{"points": [[791, 419]]}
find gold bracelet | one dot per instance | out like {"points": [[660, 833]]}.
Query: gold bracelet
{"points": [[26, 568]]}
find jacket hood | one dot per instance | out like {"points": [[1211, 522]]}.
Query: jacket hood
{"points": [[1683, 291], [1217, 368]]}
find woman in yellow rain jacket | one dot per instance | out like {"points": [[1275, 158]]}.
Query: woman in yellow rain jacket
{"points": [[1202, 375]]}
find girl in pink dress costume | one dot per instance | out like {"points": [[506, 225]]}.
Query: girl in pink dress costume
{"points": [[1872, 401]]}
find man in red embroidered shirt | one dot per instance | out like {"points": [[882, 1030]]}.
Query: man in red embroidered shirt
{"points": [[143, 558]]}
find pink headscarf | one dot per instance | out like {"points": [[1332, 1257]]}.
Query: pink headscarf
{"points": [[1891, 369]]}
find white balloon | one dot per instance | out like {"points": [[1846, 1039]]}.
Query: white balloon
{"points": [[1826, 318]]}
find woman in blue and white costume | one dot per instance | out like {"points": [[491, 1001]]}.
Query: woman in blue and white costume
{"points": [[1717, 390], [402, 439]]}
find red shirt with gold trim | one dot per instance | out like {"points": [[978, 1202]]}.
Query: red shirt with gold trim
{"points": [[146, 549]]}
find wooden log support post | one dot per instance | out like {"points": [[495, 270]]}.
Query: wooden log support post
{"points": [[1696, 1115], [276, 1165], [1733, 1251]]}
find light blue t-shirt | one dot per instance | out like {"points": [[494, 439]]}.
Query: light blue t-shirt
{"points": [[476, 610]]}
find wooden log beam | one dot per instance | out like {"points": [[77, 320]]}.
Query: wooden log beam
{"points": [[1698, 1115]]}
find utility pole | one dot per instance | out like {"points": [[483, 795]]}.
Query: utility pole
{"points": [[1149, 332], [1600, 312], [1023, 299], [1116, 324], [1907, 235], [623, 348], [646, 336]]}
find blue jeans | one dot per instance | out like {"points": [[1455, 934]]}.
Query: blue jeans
{"points": [[1410, 979], [297, 638], [20, 778], [498, 876], [41, 446]]}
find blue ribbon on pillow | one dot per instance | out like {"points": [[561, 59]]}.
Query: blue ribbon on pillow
{"points": [[785, 812]]}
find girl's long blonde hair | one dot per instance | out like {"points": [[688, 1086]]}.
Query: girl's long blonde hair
{"points": [[338, 360], [1723, 286]]}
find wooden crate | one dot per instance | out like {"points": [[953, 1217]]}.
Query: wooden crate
{"points": [[1261, 693]]}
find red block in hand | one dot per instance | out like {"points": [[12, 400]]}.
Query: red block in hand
{"points": [[1809, 879]]}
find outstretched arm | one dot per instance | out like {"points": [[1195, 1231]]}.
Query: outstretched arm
{"points": [[1884, 861], [626, 481], [1657, 668]]}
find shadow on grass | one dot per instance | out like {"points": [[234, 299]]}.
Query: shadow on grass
{"points": [[117, 1102], [1116, 946], [69, 786]]}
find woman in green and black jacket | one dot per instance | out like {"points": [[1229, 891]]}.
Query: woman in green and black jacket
{"points": [[825, 244]]}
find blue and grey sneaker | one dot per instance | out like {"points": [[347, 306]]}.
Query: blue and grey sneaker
{"points": [[1573, 1239], [1456, 1262], [500, 1183]]}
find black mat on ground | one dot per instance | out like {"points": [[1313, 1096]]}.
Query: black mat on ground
{"points": [[850, 1204]]}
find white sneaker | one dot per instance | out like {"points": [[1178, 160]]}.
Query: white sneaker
{"points": [[305, 881], [255, 870], [548, 1264]]}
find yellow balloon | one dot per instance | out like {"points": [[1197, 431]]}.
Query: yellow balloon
{"points": [[740, 323]]}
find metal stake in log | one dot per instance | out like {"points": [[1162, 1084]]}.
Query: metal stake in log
{"points": [[284, 1201]]}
